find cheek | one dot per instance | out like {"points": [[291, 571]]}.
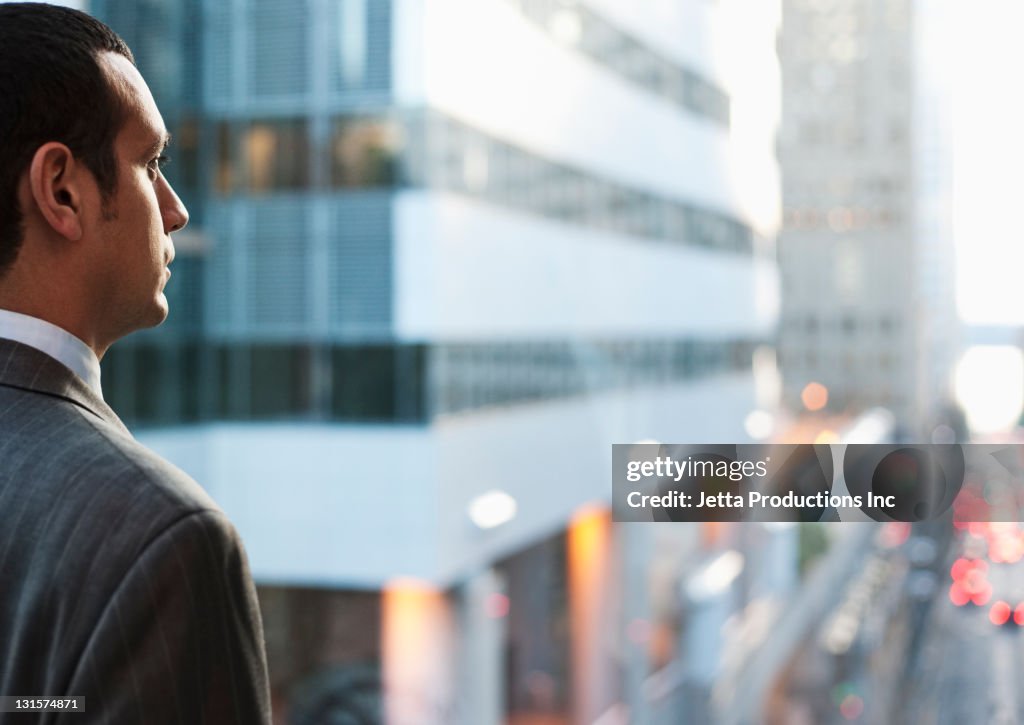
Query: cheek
{"points": [[145, 222]]}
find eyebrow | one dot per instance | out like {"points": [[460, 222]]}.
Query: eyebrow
{"points": [[157, 146]]}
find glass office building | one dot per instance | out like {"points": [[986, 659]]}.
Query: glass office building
{"points": [[442, 254]]}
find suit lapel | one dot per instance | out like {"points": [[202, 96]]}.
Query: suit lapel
{"points": [[26, 368]]}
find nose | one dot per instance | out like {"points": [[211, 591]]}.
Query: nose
{"points": [[174, 213]]}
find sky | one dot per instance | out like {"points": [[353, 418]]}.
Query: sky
{"points": [[988, 133]]}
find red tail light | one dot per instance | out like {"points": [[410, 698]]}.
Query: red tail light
{"points": [[982, 595], [1000, 613], [959, 569], [1018, 615], [957, 595]]}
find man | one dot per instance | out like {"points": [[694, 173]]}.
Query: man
{"points": [[120, 579]]}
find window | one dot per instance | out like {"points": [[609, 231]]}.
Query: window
{"points": [[276, 155], [352, 42], [184, 173], [581, 28], [224, 175], [280, 378], [363, 383], [365, 152], [278, 48]]}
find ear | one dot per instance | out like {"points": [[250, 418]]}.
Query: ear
{"points": [[55, 179]]}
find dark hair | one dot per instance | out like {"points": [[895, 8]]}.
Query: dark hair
{"points": [[53, 88]]}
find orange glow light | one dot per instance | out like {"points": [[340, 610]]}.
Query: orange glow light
{"points": [[589, 550], [712, 533], [814, 396], [827, 436], [409, 607], [416, 623], [587, 535]]}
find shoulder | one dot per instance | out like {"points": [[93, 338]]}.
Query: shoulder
{"points": [[56, 444], [96, 493], [148, 473], [151, 496], [92, 517]]}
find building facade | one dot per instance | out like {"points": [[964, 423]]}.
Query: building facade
{"points": [[443, 254], [866, 253]]}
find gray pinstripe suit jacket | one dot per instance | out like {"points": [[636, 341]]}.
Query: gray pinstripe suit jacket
{"points": [[120, 579]]}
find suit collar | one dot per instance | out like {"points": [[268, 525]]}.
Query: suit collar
{"points": [[56, 342], [24, 367]]}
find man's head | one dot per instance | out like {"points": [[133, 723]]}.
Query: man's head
{"points": [[85, 213]]}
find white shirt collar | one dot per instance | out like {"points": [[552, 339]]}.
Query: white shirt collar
{"points": [[55, 342]]}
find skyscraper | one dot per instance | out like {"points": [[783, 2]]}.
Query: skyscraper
{"points": [[866, 251]]}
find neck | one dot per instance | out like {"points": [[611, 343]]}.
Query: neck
{"points": [[57, 312]]}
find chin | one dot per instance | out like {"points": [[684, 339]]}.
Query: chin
{"points": [[144, 317], [163, 310], [159, 311]]}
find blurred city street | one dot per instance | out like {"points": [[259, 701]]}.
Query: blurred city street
{"points": [[968, 669]]}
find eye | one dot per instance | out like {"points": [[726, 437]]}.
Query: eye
{"points": [[157, 164]]}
